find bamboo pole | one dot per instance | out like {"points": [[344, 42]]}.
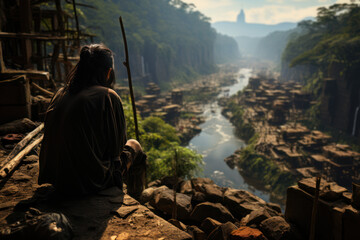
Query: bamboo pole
{"points": [[22, 144], [127, 65], [11, 165]]}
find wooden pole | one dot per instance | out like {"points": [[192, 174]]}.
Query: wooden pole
{"points": [[42, 90], [314, 209], [22, 144], [77, 24], [127, 65], [11, 165], [174, 212]]}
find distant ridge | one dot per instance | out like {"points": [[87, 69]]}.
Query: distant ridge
{"points": [[242, 28]]}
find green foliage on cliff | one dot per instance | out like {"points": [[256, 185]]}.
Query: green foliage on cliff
{"points": [[225, 49], [333, 38], [264, 169], [171, 38], [327, 47], [159, 141]]}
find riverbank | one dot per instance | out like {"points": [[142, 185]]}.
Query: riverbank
{"points": [[280, 150]]}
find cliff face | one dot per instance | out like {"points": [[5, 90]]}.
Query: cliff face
{"points": [[168, 40], [325, 56], [298, 73], [340, 99]]}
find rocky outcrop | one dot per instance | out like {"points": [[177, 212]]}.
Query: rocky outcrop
{"points": [[214, 212]]}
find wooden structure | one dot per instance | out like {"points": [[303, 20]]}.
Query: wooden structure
{"points": [[38, 47]]}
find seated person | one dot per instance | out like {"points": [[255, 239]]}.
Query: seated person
{"points": [[85, 148]]}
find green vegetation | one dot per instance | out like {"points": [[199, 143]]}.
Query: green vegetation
{"points": [[255, 165], [168, 38], [159, 141], [334, 38], [225, 49], [327, 47], [199, 95], [266, 170], [244, 130]]}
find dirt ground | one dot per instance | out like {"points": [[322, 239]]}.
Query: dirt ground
{"points": [[106, 215]]}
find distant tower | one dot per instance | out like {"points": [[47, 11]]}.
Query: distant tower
{"points": [[241, 17]]}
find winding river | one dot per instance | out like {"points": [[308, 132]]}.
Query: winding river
{"points": [[218, 141]]}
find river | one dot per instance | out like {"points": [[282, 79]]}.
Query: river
{"points": [[218, 141]]}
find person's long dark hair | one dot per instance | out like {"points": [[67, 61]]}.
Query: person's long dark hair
{"points": [[92, 69]]}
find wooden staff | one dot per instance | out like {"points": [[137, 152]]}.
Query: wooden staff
{"points": [[127, 65], [314, 209], [174, 212]]}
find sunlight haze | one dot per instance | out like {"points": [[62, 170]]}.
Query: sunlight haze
{"points": [[261, 11]]}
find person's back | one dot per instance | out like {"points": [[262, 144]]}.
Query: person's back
{"points": [[83, 133], [85, 130]]}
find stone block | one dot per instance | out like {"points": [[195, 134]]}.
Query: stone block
{"points": [[299, 209], [351, 223]]}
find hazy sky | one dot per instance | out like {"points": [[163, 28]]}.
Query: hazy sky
{"points": [[261, 11]]}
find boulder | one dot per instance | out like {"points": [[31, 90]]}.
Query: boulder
{"points": [[231, 161], [163, 200], [213, 210], [147, 195], [209, 225], [196, 233], [247, 233], [186, 187], [257, 216], [213, 193], [275, 228], [222, 232], [241, 202], [178, 224], [170, 181], [196, 181], [274, 206], [125, 211], [156, 183], [197, 198]]}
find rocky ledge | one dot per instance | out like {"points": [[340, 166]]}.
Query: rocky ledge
{"points": [[207, 211]]}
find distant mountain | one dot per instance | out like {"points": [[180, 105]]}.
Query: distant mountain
{"points": [[242, 28]]}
